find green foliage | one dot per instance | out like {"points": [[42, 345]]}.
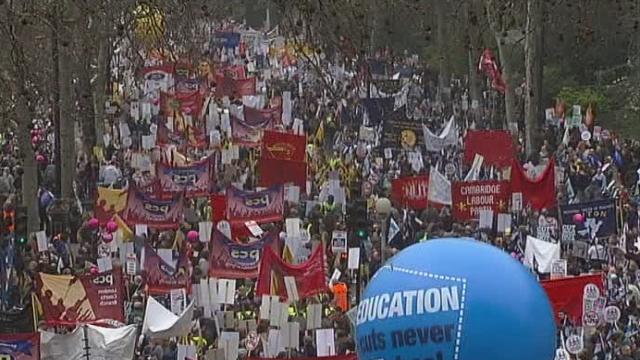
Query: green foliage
{"points": [[585, 96]]}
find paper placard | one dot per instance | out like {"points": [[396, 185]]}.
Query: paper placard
{"points": [[486, 219], [148, 142], [611, 314], [292, 194], [275, 311], [42, 241], [335, 276], [224, 227], [275, 343], [104, 264], [178, 300], [216, 292], [292, 227], [559, 269], [388, 153], [186, 352], [291, 335], [254, 228], [205, 298], [504, 223], [516, 201], [314, 316], [131, 263], [292, 288], [339, 241], [204, 231], [265, 306], [142, 230], [325, 342], [353, 262], [230, 343]]}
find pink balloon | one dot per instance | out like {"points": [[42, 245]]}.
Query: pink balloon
{"points": [[112, 227], [578, 218], [34, 139], [107, 238], [40, 158], [192, 236], [93, 223], [93, 270]]}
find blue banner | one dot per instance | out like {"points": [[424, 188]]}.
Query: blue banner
{"points": [[598, 220]]}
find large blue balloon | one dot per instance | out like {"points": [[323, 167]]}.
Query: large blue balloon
{"points": [[454, 299]]}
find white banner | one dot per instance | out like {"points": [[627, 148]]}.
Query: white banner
{"points": [[544, 253], [448, 137], [160, 322]]}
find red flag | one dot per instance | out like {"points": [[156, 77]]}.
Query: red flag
{"points": [[489, 67], [226, 86], [283, 146], [470, 197], [278, 172], [310, 277], [540, 193], [496, 146], [218, 207], [412, 192], [566, 295]]}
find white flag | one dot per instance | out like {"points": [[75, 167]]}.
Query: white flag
{"points": [[439, 188], [474, 172]]}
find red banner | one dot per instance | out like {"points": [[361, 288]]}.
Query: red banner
{"points": [[248, 132], [566, 295], [411, 192], [471, 197], [189, 103], [237, 88], [231, 260], [160, 276], [159, 214], [278, 172], [218, 207], [540, 193], [496, 146], [310, 277], [24, 346], [89, 298], [259, 206], [194, 179], [232, 71], [283, 146]]}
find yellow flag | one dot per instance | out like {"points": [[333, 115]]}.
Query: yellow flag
{"points": [[127, 234], [320, 133], [111, 199], [287, 254]]}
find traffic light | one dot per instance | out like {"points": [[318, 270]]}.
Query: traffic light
{"points": [[20, 226], [358, 219]]}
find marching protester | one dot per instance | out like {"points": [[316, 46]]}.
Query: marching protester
{"points": [[239, 209]]}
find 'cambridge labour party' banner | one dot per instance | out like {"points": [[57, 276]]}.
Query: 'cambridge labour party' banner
{"points": [[160, 214], [90, 298], [259, 206], [471, 197], [231, 260], [194, 179], [411, 192], [599, 220], [25, 346]]}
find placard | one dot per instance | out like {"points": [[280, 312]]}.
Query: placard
{"points": [[611, 314], [339, 241], [325, 342], [142, 230], [42, 241], [574, 344], [516, 201], [353, 261], [486, 219], [559, 269]]}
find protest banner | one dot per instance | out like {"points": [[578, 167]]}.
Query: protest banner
{"points": [[226, 39], [248, 131], [283, 146], [194, 179], [495, 146], [272, 174], [23, 346], [566, 295], [401, 132], [540, 192], [259, 206], [162, 276], [412, 192], [310, 276], [228, 86], [471, 197], [231, 260], [89, 298], [377, 109], [448, 137], [108, 203], [181, 104], [599, 220], [160, 214]]}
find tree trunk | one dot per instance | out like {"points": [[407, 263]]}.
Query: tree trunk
{"points": [[30, 175], [443, 71], [533, 73], [85, 101], [67, 123], [473, 49], [100, 84], [505, 54]]}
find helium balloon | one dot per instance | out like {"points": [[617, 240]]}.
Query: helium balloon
{"points": [[93, 223], [112, 227], [107, 238], [40, 158], [192, 236], [578, 218], [454, 299]]}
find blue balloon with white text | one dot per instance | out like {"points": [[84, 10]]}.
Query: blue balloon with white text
{"points": [[454, 299]]}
